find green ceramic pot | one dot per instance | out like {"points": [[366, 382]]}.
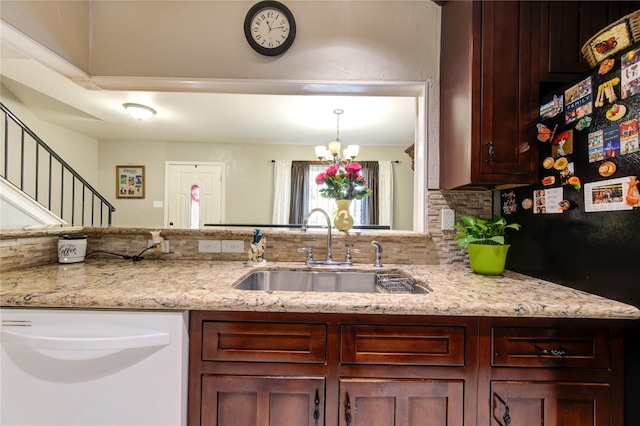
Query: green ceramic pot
{"points": [[487, 259]]}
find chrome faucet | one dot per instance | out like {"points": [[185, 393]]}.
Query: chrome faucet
{"points": [[378, 247], [329, 261]]}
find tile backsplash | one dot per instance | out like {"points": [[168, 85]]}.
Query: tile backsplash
{"points": [[20, 249]]}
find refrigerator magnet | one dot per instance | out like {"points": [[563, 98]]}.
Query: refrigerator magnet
{"points": [[564, 205], [607, 169], [606, 66], [548, 162], [616, 112], [583, 123], [562, 144], [545, 134], [575, 181]]}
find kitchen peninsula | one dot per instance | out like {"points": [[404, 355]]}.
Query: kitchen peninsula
{"points": [[111, 283], [458, 351]]}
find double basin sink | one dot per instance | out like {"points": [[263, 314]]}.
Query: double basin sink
{"points": [[387, 281]]}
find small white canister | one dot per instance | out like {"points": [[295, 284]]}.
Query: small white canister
{"points": [[72, 248]]}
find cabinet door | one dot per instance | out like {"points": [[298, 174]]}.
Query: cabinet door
{"points": [[508, 93], [262, 401], [550, 404], [566, 26], [384, 402]]}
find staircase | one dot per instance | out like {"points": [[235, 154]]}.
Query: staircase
{"points": [[29, 166]]}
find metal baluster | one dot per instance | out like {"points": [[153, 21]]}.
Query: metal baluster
{"points": [[37, 172], [62, 193], [6, 145], [73, 200], [22, 161], [506, 417], [82, 209], [316, 412], [50, 176], [93, 207], [348, 415]]}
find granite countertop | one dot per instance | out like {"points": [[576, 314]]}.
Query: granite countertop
{"points": [[109, 283]]}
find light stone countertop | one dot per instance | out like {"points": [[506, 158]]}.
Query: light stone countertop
{"points": [[112, 283]]}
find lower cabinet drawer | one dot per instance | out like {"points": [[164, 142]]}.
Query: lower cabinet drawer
{"points": [[550, 347], [263, 342], [405, 345]]}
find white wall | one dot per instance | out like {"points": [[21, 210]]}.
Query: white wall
{"points": [[336, 40], [64, 27]]}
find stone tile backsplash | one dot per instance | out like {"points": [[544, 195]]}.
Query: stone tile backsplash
{"points": [[20, 249]]}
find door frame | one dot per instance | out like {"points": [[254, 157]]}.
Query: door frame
{"points": [[168, 164]]}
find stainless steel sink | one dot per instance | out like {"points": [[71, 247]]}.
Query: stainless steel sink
{"points": [[331, 281]]}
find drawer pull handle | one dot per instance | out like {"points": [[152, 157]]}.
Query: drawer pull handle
{"points": [[555, 352], [347, 417], [492, 151], [506, 417], [316, 412]]}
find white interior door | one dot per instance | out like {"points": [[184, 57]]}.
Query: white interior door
{"points": [[194, 194]]}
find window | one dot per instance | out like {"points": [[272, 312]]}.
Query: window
{"points": [[327, 204]]}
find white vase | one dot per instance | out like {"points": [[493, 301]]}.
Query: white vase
{"points": [[343, 221]]}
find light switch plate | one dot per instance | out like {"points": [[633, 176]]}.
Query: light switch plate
{"points": [[232, 246], [448, 219], [209, 246]]}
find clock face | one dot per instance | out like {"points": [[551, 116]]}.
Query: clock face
{"points": [[270, 28]]}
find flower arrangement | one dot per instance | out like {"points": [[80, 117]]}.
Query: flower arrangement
{"points": [[344, 183]]}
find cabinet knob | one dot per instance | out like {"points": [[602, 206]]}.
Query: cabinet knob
{"points": [[492, 151]]}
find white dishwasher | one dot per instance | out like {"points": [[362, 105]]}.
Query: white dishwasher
{"points": [[73, 367]]}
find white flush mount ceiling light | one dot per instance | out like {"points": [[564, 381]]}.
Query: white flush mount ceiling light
{"points": [[331, 152], [138, 111]]}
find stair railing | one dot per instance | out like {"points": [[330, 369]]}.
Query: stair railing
{"points": [[64, 192]]}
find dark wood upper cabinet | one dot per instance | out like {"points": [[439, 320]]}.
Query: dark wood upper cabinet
{"points": [[489, 93], [496, 59], [565, 26]]}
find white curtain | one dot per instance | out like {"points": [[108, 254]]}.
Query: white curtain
{"points": [[281, 192], [385, 192]]}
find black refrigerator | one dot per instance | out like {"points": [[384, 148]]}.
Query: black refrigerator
{"points": [[581, 222]]}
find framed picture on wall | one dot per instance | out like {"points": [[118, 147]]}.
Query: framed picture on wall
{"points": [[130, 182]]}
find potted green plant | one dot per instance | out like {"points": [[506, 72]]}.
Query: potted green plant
{"points": [[485, 241]]}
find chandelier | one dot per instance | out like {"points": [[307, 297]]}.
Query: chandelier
{"points": [[331, 153]]}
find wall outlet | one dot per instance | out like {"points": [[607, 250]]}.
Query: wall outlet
{"points": [[209, 246], [448, 219], [232, 246], [164, 245]]}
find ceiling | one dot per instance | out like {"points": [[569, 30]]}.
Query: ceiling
{"points": [[215, 111]]}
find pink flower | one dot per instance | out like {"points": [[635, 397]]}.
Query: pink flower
{"points": [[322, 176], [332, 170], [353, 168]]}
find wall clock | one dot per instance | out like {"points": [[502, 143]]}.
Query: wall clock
{"points": [[270, 28]]}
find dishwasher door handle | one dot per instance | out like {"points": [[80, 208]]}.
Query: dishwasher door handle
{"points": [[66, 343]]}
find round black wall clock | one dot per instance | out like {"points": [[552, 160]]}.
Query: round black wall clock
{"points": [[270, 28]]}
